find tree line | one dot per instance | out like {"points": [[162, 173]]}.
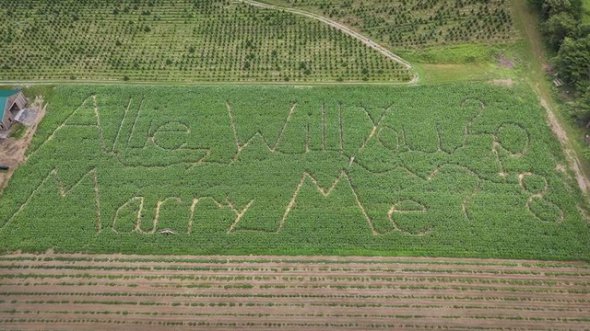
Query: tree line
{"points": [[569, 38]]}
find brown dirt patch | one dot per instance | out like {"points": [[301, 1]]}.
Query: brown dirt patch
{"points": [[503, 82], [132, 292], [506, 62]]}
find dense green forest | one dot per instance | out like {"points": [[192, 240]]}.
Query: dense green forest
{"points": [[568, 36]]}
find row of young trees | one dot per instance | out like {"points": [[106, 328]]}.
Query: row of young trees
{"points": [[569, 37], [419, 23], [179, 40]]}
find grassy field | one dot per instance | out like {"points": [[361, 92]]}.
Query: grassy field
{"points": [[457, 169], [445, 41], [586, 17], [416, 23], [178, 41]]}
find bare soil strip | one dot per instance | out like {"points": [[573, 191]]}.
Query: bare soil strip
{"points": [[133, 292], [572, 158]]}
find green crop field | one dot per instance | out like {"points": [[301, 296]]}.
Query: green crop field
{"points": [[418, 23], [179, 41], [586, 6], [448, 170]]}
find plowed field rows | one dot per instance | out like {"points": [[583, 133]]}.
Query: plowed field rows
{"points": [[86, 292]]}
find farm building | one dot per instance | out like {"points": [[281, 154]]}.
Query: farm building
{"points": [[12, 102]]}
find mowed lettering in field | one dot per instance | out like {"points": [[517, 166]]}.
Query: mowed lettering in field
{"points": [[218, 162]]}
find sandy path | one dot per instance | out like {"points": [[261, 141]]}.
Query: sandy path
{"points": [[572, 159]]}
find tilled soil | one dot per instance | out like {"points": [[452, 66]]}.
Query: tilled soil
{"points": [[131, 292]]}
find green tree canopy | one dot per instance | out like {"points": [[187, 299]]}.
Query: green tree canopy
{"points": [[573, 61], [559, 26], [555, 7]]}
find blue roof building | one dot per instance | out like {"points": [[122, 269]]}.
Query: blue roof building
{"points": [[11, 102]]}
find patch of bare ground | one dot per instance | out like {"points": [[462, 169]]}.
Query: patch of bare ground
{"points": [[12, 151], [503, 82], [132, 292], [506, 62]]}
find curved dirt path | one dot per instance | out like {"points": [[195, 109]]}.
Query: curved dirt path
{"points": [[362, 38]]}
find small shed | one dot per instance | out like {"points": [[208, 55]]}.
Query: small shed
{"points": [[11, 103]]}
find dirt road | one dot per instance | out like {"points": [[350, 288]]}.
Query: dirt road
{"points": [[528, 24]]}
